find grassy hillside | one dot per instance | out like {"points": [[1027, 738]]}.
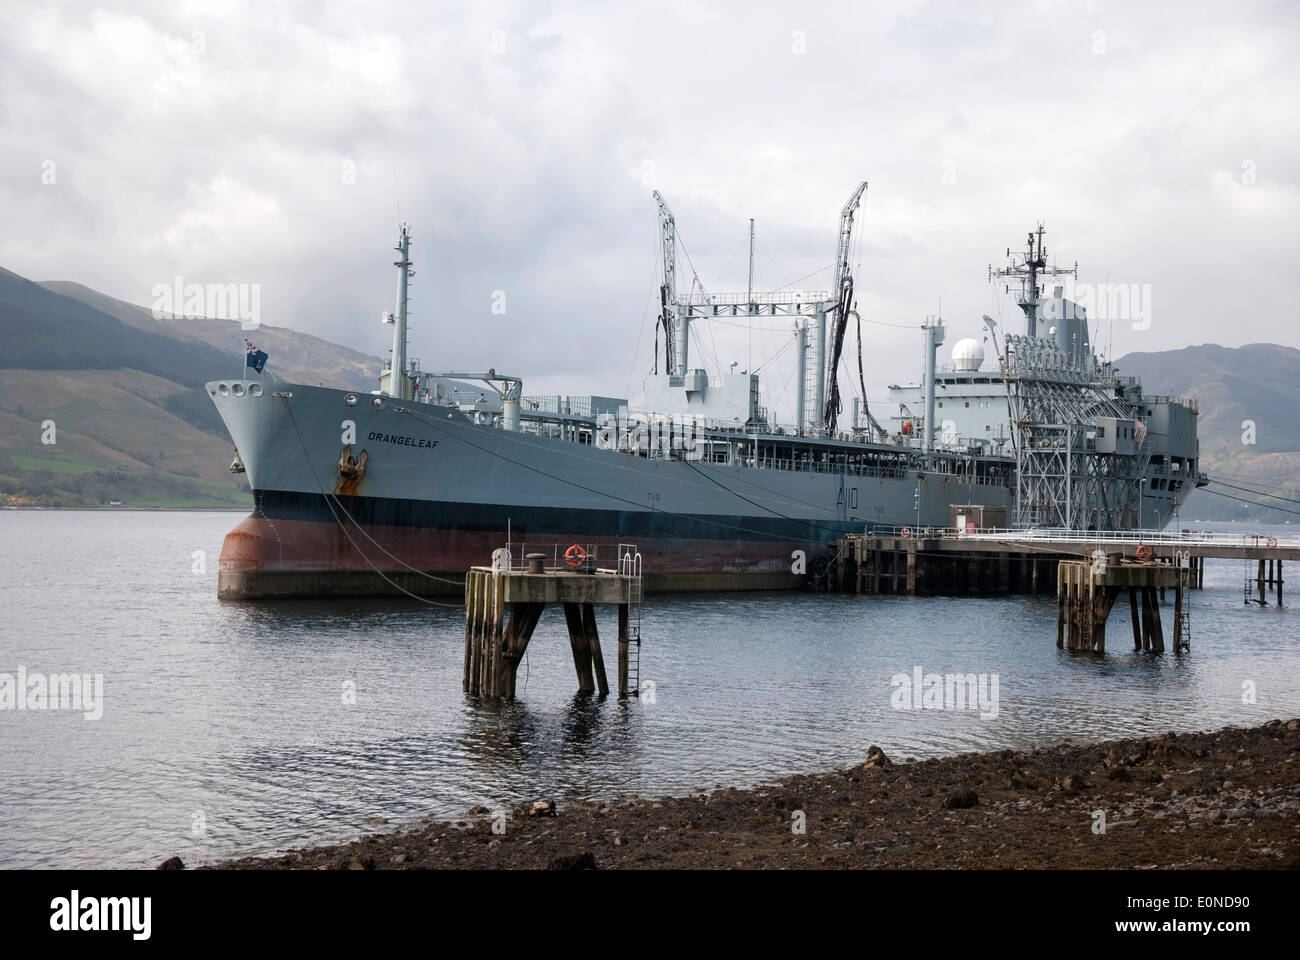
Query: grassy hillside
{"points": [[299, 357], [1260, 383], [132, 422], [115, 439]]}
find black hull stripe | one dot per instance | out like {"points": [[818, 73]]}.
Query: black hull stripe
{"points": [[536, 521]]}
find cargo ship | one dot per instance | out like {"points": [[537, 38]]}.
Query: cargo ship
{"points": [[400, 491]]}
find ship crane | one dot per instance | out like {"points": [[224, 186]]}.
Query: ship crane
{"points": [[668, 290], [818, 404], [828, 404]]}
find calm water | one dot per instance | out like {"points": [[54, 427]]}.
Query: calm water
{"points": [[233, 716]]}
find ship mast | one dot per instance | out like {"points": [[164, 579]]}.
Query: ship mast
{"points": [[751, 265], [1028, 268], [399, 386], [753, 307]]}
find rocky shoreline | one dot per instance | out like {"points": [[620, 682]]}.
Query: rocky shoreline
{"points": [[1226, 799]]}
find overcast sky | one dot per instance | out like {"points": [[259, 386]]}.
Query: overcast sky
{"points": [[216, 141]]}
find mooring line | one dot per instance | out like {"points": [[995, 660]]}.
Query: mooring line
{"points": [[435, 603], [355, 522]]}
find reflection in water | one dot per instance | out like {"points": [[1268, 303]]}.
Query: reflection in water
{"points": [[239, 712], [581, 725]]}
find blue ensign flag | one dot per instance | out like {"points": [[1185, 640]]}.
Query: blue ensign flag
{"points": [[256, 357]]}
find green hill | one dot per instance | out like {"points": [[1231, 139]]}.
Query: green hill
{"points": [[132, 422], [1256, 384]]}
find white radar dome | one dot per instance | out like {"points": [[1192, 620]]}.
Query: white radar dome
{"points": [[967, 354]]}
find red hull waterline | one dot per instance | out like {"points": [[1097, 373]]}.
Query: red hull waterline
{"points": [[268, 559]]}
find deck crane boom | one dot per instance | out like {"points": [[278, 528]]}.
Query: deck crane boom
{"points": [[817, 411], [676, 336], [841, 306]]}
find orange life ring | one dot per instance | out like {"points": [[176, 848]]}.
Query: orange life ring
{"points": [[575, 556], [905, 533], [1272, 541], [1144, 553]]}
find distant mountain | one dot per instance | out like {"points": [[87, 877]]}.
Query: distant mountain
{"points": [[1245, 393], [124, 393], [298, 357]]}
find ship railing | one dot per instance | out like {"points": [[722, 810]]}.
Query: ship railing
{"points": [[1186, 537], [1190, 402], [863, 470], [557, 403], [720, 452], [741, 299], [513, 556]]}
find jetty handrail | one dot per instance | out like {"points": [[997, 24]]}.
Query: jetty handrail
{"points": [[1135, 537], [554, 552]]}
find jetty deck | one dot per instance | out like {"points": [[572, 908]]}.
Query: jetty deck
{"points": [[938, 561]]}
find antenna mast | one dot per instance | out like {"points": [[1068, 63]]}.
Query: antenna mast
{"points": [[1027, 268], [751, 265], [398, 383], [749, 327]]}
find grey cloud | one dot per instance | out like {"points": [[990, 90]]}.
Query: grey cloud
{"points": [[530, 171]]}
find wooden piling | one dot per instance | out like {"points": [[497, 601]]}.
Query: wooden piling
{"points": [[475, 587], [578, 644], [502, 609], [1086, 594], [1157, 630], [593, 648], [1060, 605], [469, 630], [496, 639], [1103, 599], [1147, 629]]}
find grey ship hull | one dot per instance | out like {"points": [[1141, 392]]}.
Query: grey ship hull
{"points": [[439, 493]]}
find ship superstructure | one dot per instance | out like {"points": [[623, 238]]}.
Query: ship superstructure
{"points": [[1092, 451]]}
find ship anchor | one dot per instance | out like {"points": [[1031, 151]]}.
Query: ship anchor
{"points": [[352, 470]]}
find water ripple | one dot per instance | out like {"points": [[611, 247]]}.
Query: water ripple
{"points": [[226, 731]]}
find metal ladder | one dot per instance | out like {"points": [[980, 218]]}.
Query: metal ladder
{"points": [[1250, 584], [1184, 585], [629, 565]]}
